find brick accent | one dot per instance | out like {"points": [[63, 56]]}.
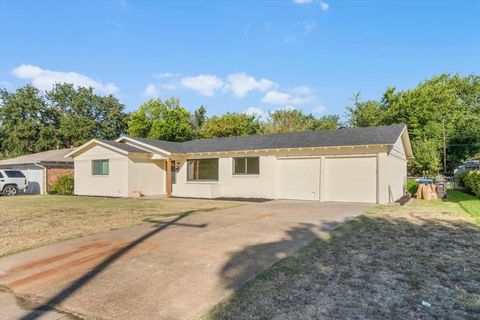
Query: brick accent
{"points": [[54, 173]]}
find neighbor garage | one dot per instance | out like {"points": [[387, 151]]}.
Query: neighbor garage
{"points": [[41, 169]]}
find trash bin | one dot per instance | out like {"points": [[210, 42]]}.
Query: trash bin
{"points": [[441, 188]]}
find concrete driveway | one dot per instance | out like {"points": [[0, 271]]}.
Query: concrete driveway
{"points": [[173, 270]]}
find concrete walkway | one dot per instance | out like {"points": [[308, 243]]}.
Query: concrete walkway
{"points": [[173, 270], [12, 309]]}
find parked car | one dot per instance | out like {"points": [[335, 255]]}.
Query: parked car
{"points": [[11, 181]]}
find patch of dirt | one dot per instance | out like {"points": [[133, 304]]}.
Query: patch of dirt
{"points": [[380, 265]]}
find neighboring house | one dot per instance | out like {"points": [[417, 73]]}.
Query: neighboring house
{"points": [[41, 169], [354, 165], [471, 164]]}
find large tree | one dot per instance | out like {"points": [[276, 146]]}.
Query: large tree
{"points": [[34, 121], [24, 118], [162, 120], [230, 124], [364, 114], [293, 120], [444, 110], [199, 117], [83, 115]]}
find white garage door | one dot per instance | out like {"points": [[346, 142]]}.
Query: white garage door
{"points": [[351, 179], [299, 179]]}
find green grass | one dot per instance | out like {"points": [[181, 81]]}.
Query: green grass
{"points": [[468, 203]]}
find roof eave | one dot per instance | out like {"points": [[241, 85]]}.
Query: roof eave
{"points": [[130, 139], [380, 145], [75, 151], [406, 142]]}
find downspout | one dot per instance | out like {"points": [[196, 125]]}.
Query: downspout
{"points": [[44, 182]]}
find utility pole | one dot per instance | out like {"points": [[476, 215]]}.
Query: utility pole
{"points": [[444, 149]]}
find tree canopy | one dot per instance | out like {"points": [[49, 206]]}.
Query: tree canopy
{"points": [[292, 120], [443, 110], [443, 105], [34, 121], [231, 124], [161, 120]]}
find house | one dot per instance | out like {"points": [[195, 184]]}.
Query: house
{"points": [[41, 169], [353, 165]]}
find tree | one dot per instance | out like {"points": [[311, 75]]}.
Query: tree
{"points": [[230, 125], [161, 121], [446, 105], [327, 122], [23, 119], [198, 119], [426, 160], [82, 115], [33, 121], [295, 120], [364, 114]]}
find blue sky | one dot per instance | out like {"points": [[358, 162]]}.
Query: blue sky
{"points": [[238, 55]]}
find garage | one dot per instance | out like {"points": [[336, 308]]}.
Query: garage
{"points": [[41, 169], [351, 179], [299, 179]]}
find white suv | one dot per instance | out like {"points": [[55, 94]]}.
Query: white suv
{"points": [[11, 181]]}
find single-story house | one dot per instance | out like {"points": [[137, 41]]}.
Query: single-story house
{"points": [[41, 169], [352, 165]]}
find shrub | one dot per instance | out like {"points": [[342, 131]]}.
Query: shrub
{"points": [[470, 180], [461, 178], [63, 185], [412, 186]]}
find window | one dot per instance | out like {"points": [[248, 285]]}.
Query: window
{"points": [[248, 165], [14, 174], [1, 175], [202, 169], [100, 167]]}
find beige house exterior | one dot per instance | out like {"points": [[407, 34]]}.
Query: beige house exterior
{"points": [[347, 165]]}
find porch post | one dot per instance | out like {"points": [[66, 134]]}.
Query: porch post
{"points": [[169, 177]]}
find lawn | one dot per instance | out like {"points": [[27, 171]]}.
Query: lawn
{"points": [[419, 261], [32, 221]]}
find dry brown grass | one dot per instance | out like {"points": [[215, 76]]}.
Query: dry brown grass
{"points": [[32, 221], [381, 265]]}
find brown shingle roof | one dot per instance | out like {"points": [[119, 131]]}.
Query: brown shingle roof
{"points": [[46, 156]]}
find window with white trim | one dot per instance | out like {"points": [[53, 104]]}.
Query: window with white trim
{"points": [[100, 167]]}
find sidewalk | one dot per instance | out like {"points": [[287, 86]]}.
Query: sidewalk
{"points": [[11, 309]]}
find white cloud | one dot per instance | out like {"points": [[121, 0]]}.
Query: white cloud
{"points": [[163, 75], [285, 99], [150, 91], [301, 90], [319, 109], [325, 6], [254, 111], [241, 83], [168, 86], [309, 25], [204, 84], [44, 79], [302, 1]]}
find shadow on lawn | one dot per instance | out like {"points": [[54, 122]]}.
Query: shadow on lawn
{"points": [[370, 267], [90, 275]]}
